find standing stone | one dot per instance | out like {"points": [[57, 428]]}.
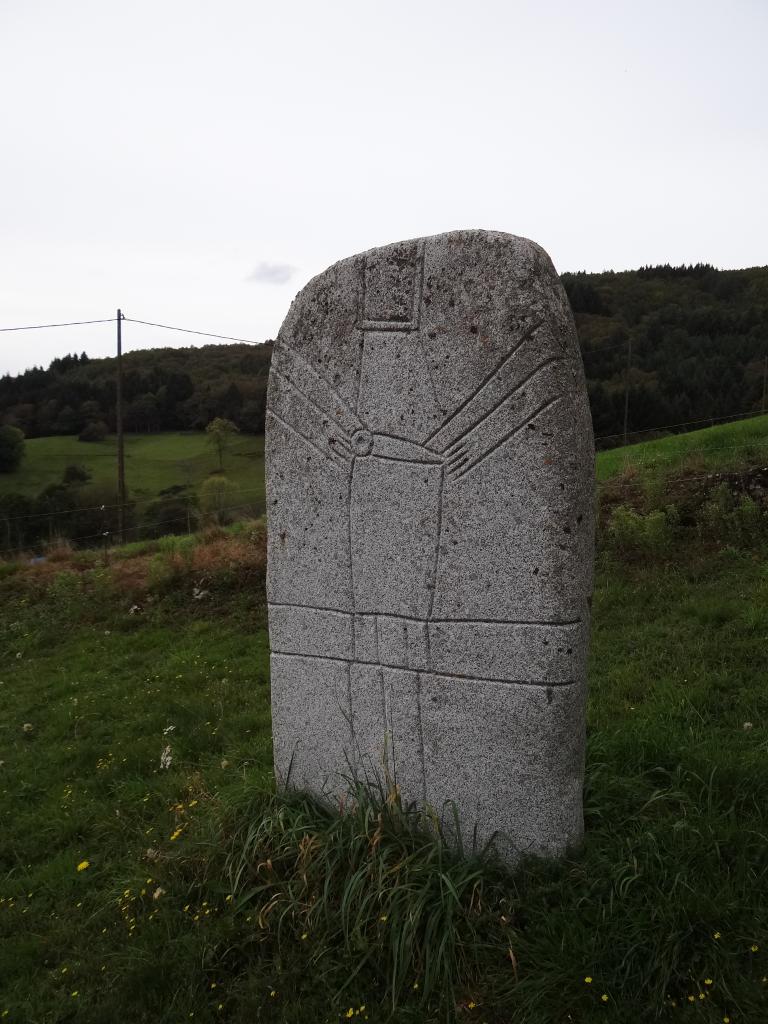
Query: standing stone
{"points": [[430, 470]]}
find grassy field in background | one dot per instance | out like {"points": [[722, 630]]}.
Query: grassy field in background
{"points": [[140, 893], [713, 449], [153, 462]]}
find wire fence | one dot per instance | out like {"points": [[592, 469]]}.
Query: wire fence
{"points": [[630, 456]]}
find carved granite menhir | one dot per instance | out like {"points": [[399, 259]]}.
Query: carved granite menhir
{"points": [[430, 499]]}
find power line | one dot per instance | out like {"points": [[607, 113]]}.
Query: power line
{"points": [[752, 413], [187, 330], [72, 323], [158, 499]]}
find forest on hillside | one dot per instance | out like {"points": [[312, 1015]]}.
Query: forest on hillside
{"points": [[698, 338]]}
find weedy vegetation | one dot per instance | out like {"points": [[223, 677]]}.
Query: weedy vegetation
{"points": [[150, 873]]}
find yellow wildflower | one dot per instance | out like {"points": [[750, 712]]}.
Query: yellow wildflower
{"points": [[716, 935], [707, 981], [383, 917], [471, 1004], [304, 935], [604, 997], [588, 980], [83, 865], [273, 993], [754, 948]]}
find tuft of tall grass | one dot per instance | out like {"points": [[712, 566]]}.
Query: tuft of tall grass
{"points": [[376, 884]]}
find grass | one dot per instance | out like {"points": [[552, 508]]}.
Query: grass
{"points": [[729, 446], [207, 897], [154, 462]]}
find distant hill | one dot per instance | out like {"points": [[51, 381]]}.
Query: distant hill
{"points": [[164, 389], [699, 338]]}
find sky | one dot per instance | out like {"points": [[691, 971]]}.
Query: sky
{"points": [[196, 163]]}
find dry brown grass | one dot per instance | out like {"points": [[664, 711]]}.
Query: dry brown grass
{"points": [[211, 555]]}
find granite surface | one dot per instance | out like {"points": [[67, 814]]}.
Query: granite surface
{"points": [[430, 472]]}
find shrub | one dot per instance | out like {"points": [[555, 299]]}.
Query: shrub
{"points": [[730, 518], [631, 533], [218, 498], [75, 474], [94, 432], [11, 448]]}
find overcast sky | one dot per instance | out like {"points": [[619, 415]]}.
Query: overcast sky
{"points": [[197, 162]]}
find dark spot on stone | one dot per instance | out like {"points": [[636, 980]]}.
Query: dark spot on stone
{"points": [[579, 518], [283, 535], [473, 329], [431, 334], [566, 529], [550, 694], [451, 303], [562, 547], [536, 571], [569, 650], [531, 426]]}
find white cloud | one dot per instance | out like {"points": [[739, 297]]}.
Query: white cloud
{"points": [[272, 273]]}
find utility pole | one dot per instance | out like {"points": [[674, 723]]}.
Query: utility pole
{"points": [[765, 380], [626, 387], [120, 439]]}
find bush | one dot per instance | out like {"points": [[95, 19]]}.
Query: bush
{"points": [[218, 500], [11, 449], [630, 533], [75, 474], [731, 518], [94, 432]]}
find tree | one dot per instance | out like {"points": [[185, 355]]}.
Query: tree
{"points": [[11, 449], [220, 433]]}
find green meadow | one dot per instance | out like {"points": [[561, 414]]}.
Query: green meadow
{"points": [[153, 462], [730, 446], [150, 873]]}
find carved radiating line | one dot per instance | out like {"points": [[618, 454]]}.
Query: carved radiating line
{"points": [[504, 398], [526, 336], [438, 673], [330, 456], [290, 354], [308, 398], [507, 436]]}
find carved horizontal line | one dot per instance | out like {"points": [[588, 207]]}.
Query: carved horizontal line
{"points": [[425, 672], [406, 326], [399, 458], [416, 618]]}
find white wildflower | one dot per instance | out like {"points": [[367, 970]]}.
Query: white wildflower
{"points": [[165, 758]]}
